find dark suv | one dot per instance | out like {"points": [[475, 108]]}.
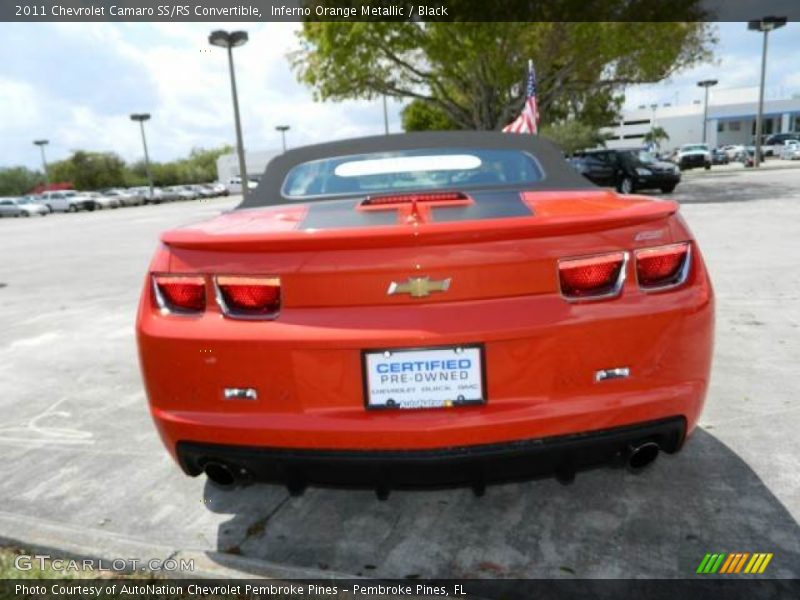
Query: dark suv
{"points": [[627, 170]]}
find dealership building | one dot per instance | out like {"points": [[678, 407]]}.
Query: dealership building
{"points": [[731, 120]]}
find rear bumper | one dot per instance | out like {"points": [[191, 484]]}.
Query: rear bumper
{"points": [[481, 463]]}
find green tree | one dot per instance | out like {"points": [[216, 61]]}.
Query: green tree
{"points": [[17, 181], [655, 136], [573, 135], [90, 170], [474, 73], [419, 115]]}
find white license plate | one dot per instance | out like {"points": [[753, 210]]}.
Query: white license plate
{"points": [[429, 378]]}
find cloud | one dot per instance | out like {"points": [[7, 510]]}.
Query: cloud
{"points": [[79, 82]]}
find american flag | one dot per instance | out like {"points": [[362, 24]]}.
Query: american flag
{"points": [[528, 119]]}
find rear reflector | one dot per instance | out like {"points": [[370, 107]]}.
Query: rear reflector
{"points": [[389, 199], [662, 267], [592, 277], [180, 293], [249, 297]]}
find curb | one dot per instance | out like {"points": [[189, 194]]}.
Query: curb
{"points": [[72, 542]]}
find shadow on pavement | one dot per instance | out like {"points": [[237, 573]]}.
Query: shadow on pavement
{"points": [[608, 523]]}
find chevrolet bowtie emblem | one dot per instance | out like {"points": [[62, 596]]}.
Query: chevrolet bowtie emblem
{"points": [[419, 287]]}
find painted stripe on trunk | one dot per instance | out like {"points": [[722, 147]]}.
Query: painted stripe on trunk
{"points": [[344, 214]]}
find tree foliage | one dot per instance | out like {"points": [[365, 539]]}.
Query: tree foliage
{"points": [[573, 135], [98, 170], [656, 135], [16, 181], [473, 74]]}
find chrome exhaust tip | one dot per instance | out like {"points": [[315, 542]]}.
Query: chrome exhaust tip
{"points": [[642, 456]]}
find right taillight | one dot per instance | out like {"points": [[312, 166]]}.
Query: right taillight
{"points": [[592, 277], [662, 267], [249, 297], [183, 294]]}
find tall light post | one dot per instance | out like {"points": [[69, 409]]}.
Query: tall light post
{"points": [[764, 25], [283, 129], [231, 40], [706, 83], [385, 117], [42, 144], [141, 118]]}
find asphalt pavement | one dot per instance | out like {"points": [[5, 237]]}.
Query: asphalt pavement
{"points": [[84, 471]]}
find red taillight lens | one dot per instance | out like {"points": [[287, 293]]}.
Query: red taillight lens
{"points": [[180, 293], [662, 267], [593, 276], [249, 297]]}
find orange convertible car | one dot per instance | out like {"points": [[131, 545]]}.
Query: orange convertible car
{"points": [[430, 308]]}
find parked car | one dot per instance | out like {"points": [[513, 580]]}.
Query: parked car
{"points": [[124, 197], [180, 192], [627, 170], [790, 150], [9, 208], [772, 144], [336, 359], [749, 156], [690, 156], [234, 185], [733, 151], [719, 157], [102, 201], [66, 201], [30, 206], [219, 188], [203, 191]]}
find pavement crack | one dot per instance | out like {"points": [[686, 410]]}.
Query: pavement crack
{"points": [[259, 526]]}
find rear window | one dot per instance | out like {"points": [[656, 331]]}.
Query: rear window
{"points": [[428, 169]]}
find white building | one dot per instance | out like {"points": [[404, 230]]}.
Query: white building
{"points": [[731, 120], [255, 162]]}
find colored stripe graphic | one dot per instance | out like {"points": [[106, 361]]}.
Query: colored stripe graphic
{"points": [[734, 563]]}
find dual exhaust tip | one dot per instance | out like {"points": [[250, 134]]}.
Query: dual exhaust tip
{"points": [[637, 457]]}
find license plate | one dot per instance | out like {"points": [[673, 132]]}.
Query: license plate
{"points": [[424, 378]]}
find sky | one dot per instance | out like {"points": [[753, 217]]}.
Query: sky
{"points": [[77, 83]]}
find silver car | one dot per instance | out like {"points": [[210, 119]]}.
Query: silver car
{"points": [[9, 208], [30, 206]]}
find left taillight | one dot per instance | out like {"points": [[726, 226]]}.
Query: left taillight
{"points": [[248, 297], [592, 277], [181, 294]]}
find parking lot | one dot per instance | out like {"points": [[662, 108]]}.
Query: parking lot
{"points": [[84, 468]]}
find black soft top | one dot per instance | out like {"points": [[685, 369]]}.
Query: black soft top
{"points": [[557, 173]]}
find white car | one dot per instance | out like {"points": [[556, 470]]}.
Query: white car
{"points": [[690, 156], [790, 150], [102, 201], [65, 201], [734, 151], [234, 184]]}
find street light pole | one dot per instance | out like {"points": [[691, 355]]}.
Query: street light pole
{"points": [[231, 40], [385, 117], [42, 144], [141, 118], [706, 83], [764, 25], [283, 129]]}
